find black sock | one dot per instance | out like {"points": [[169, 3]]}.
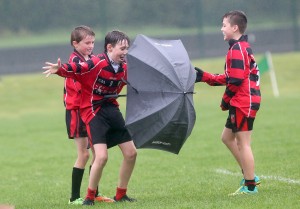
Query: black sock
{"points": [[97, 191], [77, 175], [250, 184]]}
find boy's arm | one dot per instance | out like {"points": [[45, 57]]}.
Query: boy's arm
{"points": [[209, 78], [59, 69], [68, 70], [76, 70], [71, 70]]}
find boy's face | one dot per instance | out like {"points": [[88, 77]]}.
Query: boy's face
{"points": [[118, 52], [229, 31], [85, 46]]}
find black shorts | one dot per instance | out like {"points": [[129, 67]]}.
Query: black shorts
{"points": [[108, 127], [75, 126], [237, 121]]}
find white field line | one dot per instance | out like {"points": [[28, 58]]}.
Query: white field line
{"points": [[276, 178]]}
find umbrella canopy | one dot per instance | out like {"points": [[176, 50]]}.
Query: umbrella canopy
{"points": [[159, 111]]}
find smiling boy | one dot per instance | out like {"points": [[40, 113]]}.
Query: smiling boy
{"points": [[241, 97]]}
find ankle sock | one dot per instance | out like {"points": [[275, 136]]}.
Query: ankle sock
{"points": [[121, 192], [250, 184], [77, 175], [97, 191], [91, 194]]}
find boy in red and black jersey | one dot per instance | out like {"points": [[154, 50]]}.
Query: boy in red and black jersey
{"points": [[241, 97], [82, 40], [102, 75]]}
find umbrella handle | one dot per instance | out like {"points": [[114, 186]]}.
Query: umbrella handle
{"points": [[114, 96], [108, 96], [189, 92]]}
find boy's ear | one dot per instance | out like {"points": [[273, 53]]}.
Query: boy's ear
{"points": [[74, 43], [236, 28], [109, 47]]}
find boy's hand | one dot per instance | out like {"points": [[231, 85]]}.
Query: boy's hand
{"points": [[51, 68], [224, 106], [199, 74]]}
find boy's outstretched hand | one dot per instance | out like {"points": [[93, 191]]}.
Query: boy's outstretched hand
{"points": [[51, 68], [199, 74]]}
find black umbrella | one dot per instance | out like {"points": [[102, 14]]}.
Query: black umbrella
{"points": [[159, 110]]}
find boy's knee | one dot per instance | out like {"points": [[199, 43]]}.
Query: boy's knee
{"points": [[131, 155], [86, 155], [227, 139], [101, 160], [224, 139], [83, 156]]}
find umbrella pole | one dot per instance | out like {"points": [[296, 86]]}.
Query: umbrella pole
{"points": [[108, 96], [189, 92]]}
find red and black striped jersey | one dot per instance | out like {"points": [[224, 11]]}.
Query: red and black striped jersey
{"points": [[97, 78], [72, 88], [241, 77]]}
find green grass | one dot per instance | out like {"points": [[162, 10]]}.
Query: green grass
{"points": [[37, 158]]}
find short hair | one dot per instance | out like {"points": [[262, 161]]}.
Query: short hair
{"points": [[238, 18], [80, 32], [114, 37]]}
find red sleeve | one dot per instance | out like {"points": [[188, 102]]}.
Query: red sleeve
{"points": [[214, 79], [76, 70], [66, 71]]}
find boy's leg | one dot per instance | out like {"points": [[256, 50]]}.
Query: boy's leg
{"points": [[96, 170], [244, 126], [98, 196], [247, 158], [228, 138], [77, 131], [78, 169], [82, 152], [129, 157], [241, 126], [77, 174]]}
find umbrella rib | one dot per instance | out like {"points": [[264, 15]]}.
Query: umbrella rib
{"points": [[183, 92], [127, 82]]}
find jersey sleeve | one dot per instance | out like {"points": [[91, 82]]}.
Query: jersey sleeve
{"points": [[76, 70], [214, 79], [68, 70]]}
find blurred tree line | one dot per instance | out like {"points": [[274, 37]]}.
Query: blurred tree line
{"points": [[41, 15]]}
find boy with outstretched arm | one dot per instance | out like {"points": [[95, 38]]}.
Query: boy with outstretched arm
{"points": [[241, 97], [82, 40]]}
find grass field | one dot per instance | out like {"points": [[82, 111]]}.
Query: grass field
{"points": [[37, 158]]}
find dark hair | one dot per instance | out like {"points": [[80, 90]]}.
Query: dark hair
{"points": [[237, 18], [114, 37], [80, 32]]}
